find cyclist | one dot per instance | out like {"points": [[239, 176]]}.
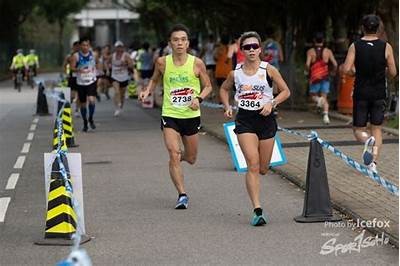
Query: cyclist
{"points": [[32, 61], [18, 64]]}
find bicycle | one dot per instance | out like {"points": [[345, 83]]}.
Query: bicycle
{"points": [[30, 76], [18, 79]]}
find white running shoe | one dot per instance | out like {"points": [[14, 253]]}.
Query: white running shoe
{"points": [[367, 155], [325, 119], [117, 112], [372, 167]]}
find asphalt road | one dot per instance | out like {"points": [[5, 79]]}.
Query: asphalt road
{"points": [[129, 200]]}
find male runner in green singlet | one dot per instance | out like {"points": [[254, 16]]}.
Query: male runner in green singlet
{"points": [[183, 75]]}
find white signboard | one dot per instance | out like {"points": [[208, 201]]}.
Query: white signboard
{"points": [[67, 95], [278, 155], [75, 168]]}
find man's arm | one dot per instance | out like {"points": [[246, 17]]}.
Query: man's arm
{"points": [[308, 60], [280, 51], [392, 71], [37, 61], [348, 67], [282, 87], [157, 74], [72, 63], [204, 78], [129, 61], [332, 59]]}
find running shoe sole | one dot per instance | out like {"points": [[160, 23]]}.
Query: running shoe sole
{"points": [[180, 207], [182, 204], [367, 152]]}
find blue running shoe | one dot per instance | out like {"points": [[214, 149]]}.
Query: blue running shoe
{"points": [[182, 203], [367, 155], [258, 220]]}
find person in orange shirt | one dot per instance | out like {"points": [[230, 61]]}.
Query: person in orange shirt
{"points": [[223, 63]]}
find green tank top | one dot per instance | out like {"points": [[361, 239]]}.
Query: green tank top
{"points": [[181, 86]]}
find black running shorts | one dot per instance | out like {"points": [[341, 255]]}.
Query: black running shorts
{"points": [[184, 126], [85, 91], [146, 74], [122, 84], [264, 127], [372, 111]]}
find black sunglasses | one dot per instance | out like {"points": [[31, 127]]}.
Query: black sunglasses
{"points": [[250, 45]]}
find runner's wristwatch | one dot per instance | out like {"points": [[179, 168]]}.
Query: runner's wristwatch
{"points": [[199, 98]]}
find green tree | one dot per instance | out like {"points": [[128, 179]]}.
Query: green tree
{"points": [[57, 11], [12, 15]]}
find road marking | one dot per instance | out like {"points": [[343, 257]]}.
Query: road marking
{"points": [[33, 127], [36, 120], [12, 181], [20, 162], [30, 136], [3, 207], [26, 147]]}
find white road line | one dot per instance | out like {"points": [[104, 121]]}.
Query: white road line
{"points": [[12, 181], [3, 207], [30, 136], [26, 147], [20, 162], [33, 127], [36, 120]]}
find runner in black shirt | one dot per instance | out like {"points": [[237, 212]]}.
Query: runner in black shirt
{"points": [[369, 59]]}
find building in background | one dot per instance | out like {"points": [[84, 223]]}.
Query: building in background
{"points": [[105, 21]]}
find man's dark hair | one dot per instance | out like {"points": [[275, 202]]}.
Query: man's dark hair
{"points": [[225, 39], [249, 34], [146, 46], [319, 37], [75, 43], [370, 23], [179, 27], [84, 39]]}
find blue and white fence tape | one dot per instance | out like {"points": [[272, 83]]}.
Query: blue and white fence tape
{"points": [[389, 186]]}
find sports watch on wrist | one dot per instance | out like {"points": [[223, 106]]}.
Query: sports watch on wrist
{"points": [[199, 98]]}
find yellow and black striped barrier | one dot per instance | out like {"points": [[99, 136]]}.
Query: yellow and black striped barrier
{"points": [[63, 215], [68, 126], [61, 219], [59, 139]]}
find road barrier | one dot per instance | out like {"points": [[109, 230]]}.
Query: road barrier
{"points": [[64, 215], [41, 102], [389, 186]]}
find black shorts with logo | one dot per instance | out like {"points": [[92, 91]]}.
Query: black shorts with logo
{"points": [[184, 126], [372, 111], [122, 84], [146, 74], [86, 90], [264, 127]]}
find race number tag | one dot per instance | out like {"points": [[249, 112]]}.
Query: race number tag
{"points": [[86, 76], [181, 97], [251, 101]]}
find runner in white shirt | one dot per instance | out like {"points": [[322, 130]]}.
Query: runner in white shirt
{"points": [[120, 62], [255, 124]]}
